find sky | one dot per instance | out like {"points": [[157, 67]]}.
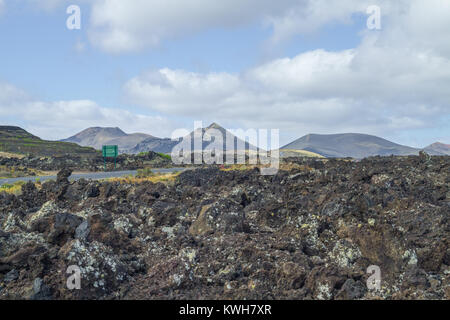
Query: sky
{"points": [[300, 66]]}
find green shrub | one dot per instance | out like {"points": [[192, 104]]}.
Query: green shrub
{"points": [[168, 157]]}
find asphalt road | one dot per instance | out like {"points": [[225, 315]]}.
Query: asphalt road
{"points": [[90, 175]]}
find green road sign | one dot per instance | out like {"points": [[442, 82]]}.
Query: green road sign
{"points": [[110, 151]]}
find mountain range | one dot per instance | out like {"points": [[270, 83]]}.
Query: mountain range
{"points": [[355, 145], [134, 143]]}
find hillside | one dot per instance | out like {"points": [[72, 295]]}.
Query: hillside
{"points": [[438, 149], [163, 145], [166, 145], [96, 137], [237, 143], [17, 140], [287, 153], [353, 145]]}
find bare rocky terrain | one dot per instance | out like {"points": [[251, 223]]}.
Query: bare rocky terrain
{"points": [[309, 232], [82, 163]]}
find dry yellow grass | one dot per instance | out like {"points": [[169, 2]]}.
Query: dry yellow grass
{"points": [[238, 167], [11, 155], [17, 172], [292, 166], [163, 177], [15, 188], [299, 153], [283, 166]]}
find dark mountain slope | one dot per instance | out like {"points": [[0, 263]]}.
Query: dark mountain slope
{"points": [[353, 145], [17, 140]]}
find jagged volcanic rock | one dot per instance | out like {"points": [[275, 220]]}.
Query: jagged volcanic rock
{"points": [[309, 232]]}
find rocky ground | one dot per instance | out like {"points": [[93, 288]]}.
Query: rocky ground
{"points": [[309, 232], [83, 163]]}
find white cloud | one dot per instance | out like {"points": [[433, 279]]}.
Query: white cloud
{"points": [[308, 16], [121, 26], [61, 119], [397, 79], [425, 25], [2, 5], [180, 92], [9, 94]]}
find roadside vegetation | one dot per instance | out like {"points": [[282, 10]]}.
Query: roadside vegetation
{"points": [[17, 172], [168, 157], [283, 166], [237, 167], [146, 175], [14, 188], [284, 153], [11, 155], [163, 155]]}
